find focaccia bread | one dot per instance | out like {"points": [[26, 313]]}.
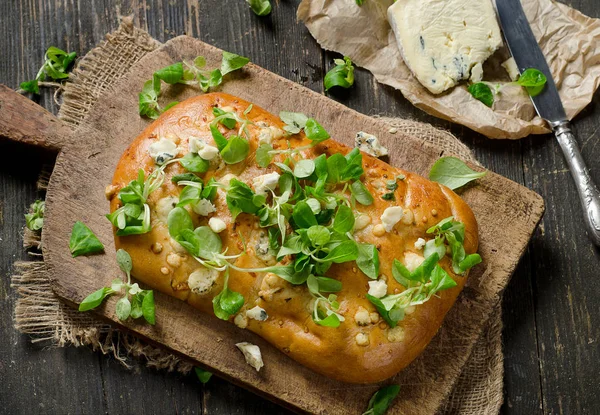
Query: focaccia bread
{"points": [[363, 348]]}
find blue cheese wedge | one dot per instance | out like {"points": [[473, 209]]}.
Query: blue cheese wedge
{"points": [[445, 41]]}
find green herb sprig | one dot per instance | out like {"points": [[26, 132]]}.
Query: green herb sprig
{"points": [[133, 218], [188, 73], [56, 66], [341, 75], [421, 284], [450, 233], [205, 246], [533, 80], [35, 217], [235, 148], [294, 123], [453, 173], [134, 303]]}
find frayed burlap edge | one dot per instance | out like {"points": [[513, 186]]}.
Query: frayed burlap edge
{"points": [[41, 315]]}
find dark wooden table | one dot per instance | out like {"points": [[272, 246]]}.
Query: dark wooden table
{"points": [[551, 308]]}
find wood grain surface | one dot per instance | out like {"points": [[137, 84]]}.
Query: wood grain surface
{"points": [[550, 308], [76, 192]]}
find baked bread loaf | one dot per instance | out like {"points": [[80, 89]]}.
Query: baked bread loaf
{"points": [[376, 253]]}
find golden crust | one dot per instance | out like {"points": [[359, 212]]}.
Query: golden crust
{"points": [[330, 351]]}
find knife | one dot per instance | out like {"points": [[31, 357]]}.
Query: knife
{"points": [[527, 54]]}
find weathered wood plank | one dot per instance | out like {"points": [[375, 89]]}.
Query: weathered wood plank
{"points": [[25, 32], [565, 269], [45, 381], [521, 366]]}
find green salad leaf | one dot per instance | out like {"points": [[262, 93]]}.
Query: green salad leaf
{"points": [[56, 66], [202, 375], [260, 7], [453, 173], [482, 92], [83, 241], [533, 80], [35, 217], [134, 301], [382, 399]]}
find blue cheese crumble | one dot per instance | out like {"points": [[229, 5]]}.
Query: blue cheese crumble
{"points": [[369, 144], [163, 151]]}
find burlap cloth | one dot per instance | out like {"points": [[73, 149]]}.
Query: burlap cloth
{"points": [[40, 314]]}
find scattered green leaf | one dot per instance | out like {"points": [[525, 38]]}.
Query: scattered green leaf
{"points": [[83, 241], [35, 217], [382, 399], [453, 173], [533, 80], [341, 75], [260, 7], [482, 92], [203, 375]]}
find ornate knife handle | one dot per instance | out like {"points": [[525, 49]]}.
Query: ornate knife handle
{"points": [[588, 192]]}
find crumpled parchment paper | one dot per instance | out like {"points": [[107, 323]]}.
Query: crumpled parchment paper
{"points": [[570, 41]]}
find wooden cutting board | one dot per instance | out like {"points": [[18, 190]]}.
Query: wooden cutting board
{"points": [[507, 214]]}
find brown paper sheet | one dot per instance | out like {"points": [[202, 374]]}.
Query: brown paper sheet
{"points": [[569, 40]]}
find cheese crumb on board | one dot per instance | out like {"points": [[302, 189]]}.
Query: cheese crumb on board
{"points": [[444, 42], [251, 354]]}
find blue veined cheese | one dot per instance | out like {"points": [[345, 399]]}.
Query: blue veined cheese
{"points": [[445, 41], [163, 150], [369, 144], [204, 207], [207, 152], [251, 354], [510, 65], [257, 313], [164, 206], [268, 133], [202, 280], [264, 183]]}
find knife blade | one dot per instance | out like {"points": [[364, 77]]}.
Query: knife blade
{"points": [[527, 54]]}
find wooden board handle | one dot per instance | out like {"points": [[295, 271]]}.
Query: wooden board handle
{"points": [[25, 121]]}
